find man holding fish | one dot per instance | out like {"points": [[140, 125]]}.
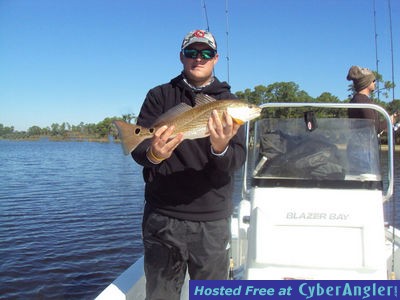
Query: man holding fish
{"points": [[189, 140]]}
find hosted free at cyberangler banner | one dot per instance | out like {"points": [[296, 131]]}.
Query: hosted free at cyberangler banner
{"points": [[298, 289]]}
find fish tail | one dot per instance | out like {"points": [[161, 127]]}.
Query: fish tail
{"points": [[129, 135]]}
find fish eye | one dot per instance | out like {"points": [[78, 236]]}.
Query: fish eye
{"points": [[137, 131]]}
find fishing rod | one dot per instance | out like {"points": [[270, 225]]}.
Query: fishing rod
{"points": [[393, 275], [207, 23], [206, 15], [376, 51], [227, 38], [391, 45], [226, 32]]}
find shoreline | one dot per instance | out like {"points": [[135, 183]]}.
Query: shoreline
{"points": [[383, 147], [61, 139]]}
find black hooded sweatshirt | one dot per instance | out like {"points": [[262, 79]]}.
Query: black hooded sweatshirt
{"points": [[365, 113], [193, 184]]}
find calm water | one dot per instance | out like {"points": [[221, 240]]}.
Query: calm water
{"points": [[70, 217]]}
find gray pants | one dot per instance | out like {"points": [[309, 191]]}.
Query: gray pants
{"points": [[172, 246]]}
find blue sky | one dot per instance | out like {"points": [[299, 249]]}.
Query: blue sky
{"points": [[84, 60]]}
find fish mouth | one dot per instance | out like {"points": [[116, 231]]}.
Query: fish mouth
{"points": [[251, 116], [256, 113]]}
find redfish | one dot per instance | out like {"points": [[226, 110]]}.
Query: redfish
{"points": [[191, 121]]}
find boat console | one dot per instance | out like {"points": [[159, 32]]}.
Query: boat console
{"points": [[313, 202]]}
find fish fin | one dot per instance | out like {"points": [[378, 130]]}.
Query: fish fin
{"points": [[237, 121], [171, 114], [129, 135], [202, 99]]}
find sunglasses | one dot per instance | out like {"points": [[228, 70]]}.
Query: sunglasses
{"points": [[193, 53]]}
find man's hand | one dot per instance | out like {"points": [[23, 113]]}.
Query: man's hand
{"points": [[221, 132], [161, 145]]}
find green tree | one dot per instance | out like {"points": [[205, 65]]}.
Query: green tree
{"points": [[249, 96], [394, 107], [6, 130], [383, 88], [34, 131], [64, 128], [276, 92], [55, 129], [329, 98], [129, 117], [90, 128], [104, 128], [46, 131]]}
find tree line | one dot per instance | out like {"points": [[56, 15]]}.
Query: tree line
{"points": [[275, 92], [56, 131], [290, 92]]}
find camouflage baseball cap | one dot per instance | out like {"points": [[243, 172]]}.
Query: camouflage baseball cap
{"points": [[199, 36]]}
